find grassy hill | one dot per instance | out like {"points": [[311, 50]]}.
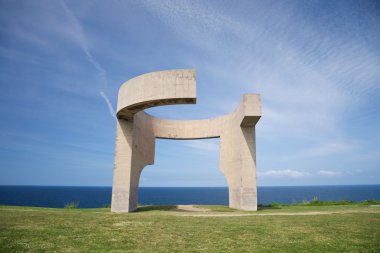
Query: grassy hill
{"points": [[274, 228]]}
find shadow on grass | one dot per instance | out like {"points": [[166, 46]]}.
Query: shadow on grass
{"points": [[267, 207], [155, 208]]}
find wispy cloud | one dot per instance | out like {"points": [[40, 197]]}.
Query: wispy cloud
{"points": [[109, 105], [299, 174], [328, 173], [83, 42], [307, 83], [318, 77], [286, 173]]}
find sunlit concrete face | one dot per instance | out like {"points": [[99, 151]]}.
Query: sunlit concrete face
{"points": [[136, 132]]}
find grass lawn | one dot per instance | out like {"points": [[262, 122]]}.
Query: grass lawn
{"points": [[346, 228]]}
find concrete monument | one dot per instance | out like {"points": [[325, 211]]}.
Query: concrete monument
{"points": [[137, 130]]}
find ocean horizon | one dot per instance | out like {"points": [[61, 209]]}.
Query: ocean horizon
{"points": [[98, 196]]}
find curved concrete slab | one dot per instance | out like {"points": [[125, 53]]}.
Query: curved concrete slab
{"points": [[136, 133], [154, 89]]}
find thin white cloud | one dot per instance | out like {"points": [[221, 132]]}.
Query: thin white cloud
{"points": [[297, 174], [286, 173], [328, 173], [109, 105], [307, 83], [83, 42]]}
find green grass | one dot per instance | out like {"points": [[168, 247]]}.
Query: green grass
{"points": [[158, 229]]}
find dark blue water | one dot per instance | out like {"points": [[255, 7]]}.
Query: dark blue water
{"points": [[90, 197]]}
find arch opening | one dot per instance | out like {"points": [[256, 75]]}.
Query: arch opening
{"points": [[184, 172]]}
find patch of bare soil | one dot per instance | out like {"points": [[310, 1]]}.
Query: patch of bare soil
{"points": [[189, 208], [279, 213]]}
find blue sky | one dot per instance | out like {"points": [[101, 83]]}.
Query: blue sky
{"points": [[316, 65]]}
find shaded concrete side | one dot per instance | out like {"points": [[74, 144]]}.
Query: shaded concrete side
{"points": [[187, 129]]}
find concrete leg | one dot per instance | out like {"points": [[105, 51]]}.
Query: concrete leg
{"points": [[123, 187], [248, 189], [238, 164]]}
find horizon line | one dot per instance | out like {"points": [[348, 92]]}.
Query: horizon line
{"points": [[193, 186]]}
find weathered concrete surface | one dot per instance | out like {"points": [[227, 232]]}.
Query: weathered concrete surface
{"points": [[136, 133], [154, 89]]}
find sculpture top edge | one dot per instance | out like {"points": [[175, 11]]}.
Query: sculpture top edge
{"points": [[156, 88]]}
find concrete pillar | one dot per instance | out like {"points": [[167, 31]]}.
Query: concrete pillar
{"points": [[248, 190], [123, 186], [238, 164]]}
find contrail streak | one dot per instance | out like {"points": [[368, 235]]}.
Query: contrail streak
{"points": [[83, 42], [110, 107]]}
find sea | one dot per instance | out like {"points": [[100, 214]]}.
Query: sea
{"points": [[93, 197]]}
